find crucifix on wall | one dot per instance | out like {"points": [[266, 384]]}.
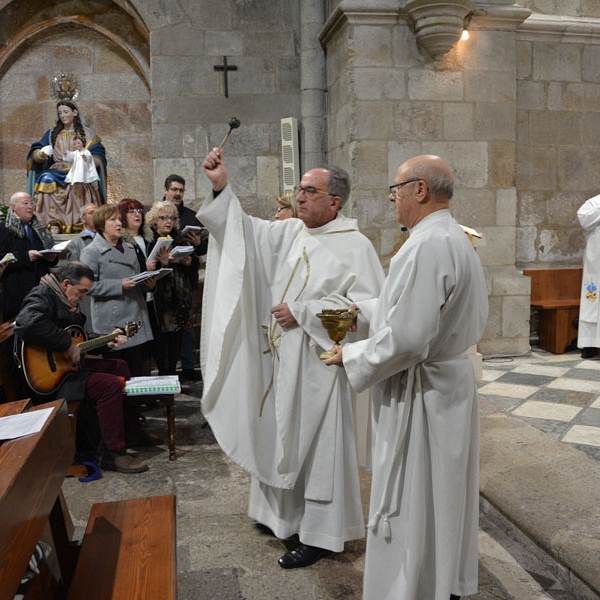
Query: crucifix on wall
{"points": [[225, 68]]}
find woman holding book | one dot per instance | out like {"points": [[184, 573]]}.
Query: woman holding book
{"points": [[174, 294], [116, 298]]}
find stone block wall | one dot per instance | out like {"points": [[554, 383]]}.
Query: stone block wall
{"points": [[114, 98], [558, 114]]}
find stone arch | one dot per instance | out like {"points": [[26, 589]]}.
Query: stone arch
{"points": [[105, 44]]}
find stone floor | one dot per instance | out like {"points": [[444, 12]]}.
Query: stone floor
{"points": [[220, 555], [557, 393]]}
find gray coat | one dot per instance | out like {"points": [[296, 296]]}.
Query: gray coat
{"points": [[111, 305]]}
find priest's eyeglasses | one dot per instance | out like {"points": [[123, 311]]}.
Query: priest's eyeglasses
{"points": [[309, 190], [396, 186]]}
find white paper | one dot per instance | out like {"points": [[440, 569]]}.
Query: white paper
{"points": [[9, 257], [15, 426]]}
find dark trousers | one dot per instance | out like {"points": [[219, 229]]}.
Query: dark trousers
{"points": [[104, 388]]}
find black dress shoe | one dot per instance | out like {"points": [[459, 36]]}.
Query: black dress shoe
{"points": [[302, 556], [262, 528], [589, 352]]}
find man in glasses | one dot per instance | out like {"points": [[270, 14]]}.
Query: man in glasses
{"points": [[272, 404], [423, 526], [198, 237]]}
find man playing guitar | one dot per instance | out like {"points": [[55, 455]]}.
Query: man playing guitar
{"points": [[46, 315]]}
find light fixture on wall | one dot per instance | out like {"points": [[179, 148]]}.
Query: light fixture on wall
{"points": [[439, 24]]}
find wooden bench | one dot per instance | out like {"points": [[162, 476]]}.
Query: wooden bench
{"points": [[555, 293], [129, 548]]}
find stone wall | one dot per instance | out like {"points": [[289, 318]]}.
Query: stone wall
{"points": [[515, 110]]}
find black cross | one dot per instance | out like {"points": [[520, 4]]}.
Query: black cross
{"points": [[225, 67]]}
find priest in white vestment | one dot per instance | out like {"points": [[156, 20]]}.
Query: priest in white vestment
{"points": [[272, 404], [588, 333], [422, 536]]}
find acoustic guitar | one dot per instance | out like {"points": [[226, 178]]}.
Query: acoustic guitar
{"points": [[45, 370]]}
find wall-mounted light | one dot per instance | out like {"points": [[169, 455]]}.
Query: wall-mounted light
{"points": [[464, 36], [439, 24]]}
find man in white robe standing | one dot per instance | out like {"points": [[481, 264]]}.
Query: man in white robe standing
{"points": [[422, 536], [272, 404], [588, 332]]}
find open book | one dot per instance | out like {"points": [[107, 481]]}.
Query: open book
{"points": [[153, 385], [181, 251], [147, 274], [192, 228], [57, 248], [161, 242]]}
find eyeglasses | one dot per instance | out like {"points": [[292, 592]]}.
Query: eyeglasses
{"points": [[280, 208], [397, 186], [166, 217], [135, 211], [309, 190], [172, 189]]}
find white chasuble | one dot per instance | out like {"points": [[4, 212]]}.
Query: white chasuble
{"points": [[272, 404], [422, 536]]}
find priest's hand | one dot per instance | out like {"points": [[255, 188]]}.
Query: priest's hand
{"points": [[215, 169], [283, 315], [337, 358]]}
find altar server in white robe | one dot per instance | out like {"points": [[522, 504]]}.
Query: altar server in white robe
{"points": [[272, 404], [588, 333], [422, 536]]}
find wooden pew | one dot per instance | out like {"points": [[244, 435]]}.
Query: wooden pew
{"points": [[555, 293], [129, 549], [32, 470]]}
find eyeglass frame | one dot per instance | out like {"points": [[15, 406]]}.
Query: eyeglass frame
{"points": [[310, 191], [134, 211], [166, 217], [278, 209], [396, 186]]}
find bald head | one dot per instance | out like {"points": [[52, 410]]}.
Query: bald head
{"points": [[436, 172], [424, 184]]}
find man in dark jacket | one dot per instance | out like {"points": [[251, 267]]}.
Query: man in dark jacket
{"points": [[174, 190], [24, 235], [43, 321]]}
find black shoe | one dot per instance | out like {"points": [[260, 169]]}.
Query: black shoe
{"points": [[191, 375], [302, 556], [589, 352], [260, 527], [453, 597]]}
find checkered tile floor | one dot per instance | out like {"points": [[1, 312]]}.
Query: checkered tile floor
{"points": [[558, 393]]}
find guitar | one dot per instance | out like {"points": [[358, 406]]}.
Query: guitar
{"points": [[44, 370]]}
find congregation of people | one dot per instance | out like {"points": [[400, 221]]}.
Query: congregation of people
{"points": [[291, 424]]}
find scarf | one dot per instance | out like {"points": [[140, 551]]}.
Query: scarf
{"points": [[52, 282], [15, 226]]}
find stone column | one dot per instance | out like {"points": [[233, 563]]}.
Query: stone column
{"points": [[313, 85]]}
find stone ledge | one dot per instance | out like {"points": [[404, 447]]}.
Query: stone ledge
{"points": [[546, 489]]}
